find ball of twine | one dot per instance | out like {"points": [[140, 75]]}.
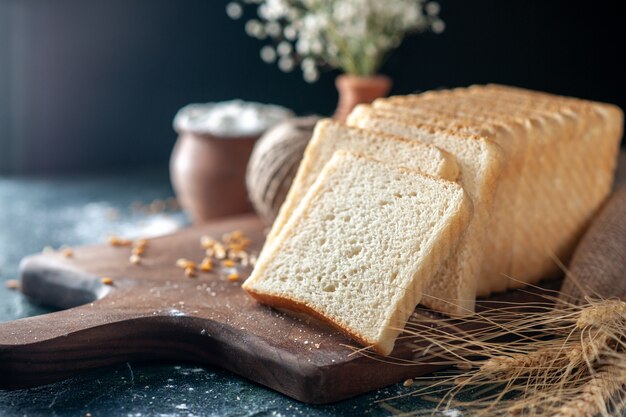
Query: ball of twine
{"points": [[274, 163]]}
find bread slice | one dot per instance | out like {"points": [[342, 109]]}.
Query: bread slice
{"points": [[462, 116], [330, 136], [541, 164], [585, 138], [525, 135], [360, 247], [589, 143], [547, 228], [453, 290], [565, 136], [530, 132]]}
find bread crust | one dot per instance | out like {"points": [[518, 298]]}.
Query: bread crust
{"points": [[298, 306], [535, 111], [291, 201]]}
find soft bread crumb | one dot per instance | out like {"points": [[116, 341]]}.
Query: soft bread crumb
{"points": [[360, 247]]}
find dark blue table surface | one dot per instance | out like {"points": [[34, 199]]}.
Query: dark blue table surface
{"points": [[35, 213]]}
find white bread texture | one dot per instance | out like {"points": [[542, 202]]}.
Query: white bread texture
{"points": [[361, 246], [453, 290], [462, 116], [330, 136], [556, 139], [535, 167]]}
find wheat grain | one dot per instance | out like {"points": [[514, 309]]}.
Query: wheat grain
{"points": [[514, 364], [595, 394], [609, 311]]}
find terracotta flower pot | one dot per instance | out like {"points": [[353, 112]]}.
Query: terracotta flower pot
{"points": [[355, 90], [209, 174]]}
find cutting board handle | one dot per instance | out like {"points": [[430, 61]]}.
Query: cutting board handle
{"points": [[43, 349], [109, 328]]}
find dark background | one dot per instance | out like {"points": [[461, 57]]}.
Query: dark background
{"points": [[94, 84]]}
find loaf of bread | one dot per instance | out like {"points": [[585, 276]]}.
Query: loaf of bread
{"points": [[360, 247], [575, 183], [330, 136], [542, 133], [490, 119], [535, 168], [561, 137]]}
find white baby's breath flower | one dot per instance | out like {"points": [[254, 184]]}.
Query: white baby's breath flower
{"points": [[316, 47], [346, 10], [263, 12], [310, 76], [234, 10], [273, 29], [285, 64], [273, 9], [354, 35], [284, 48], [254, 28], [302, 46], [308, 64], [432, 8], [438, 26], [290, 33], [411, 17], [268, 54]]}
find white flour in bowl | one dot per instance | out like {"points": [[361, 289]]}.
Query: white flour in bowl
{"points": [[230, 118]]}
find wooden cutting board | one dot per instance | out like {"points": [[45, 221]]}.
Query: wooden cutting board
{"points": [[153, 312]]}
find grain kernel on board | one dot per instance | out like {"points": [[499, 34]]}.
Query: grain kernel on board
{"points": [[207, 242], [206, 265], [106, 280], [228, 263], [12, 284], [185, 263], [119, 242]]}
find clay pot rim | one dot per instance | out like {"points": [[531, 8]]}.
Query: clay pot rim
{"points": [[360, 80], [211, 136]]}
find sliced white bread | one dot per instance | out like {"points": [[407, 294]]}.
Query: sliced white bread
{"points": [[566, 136], [543, 131], [537, 133], [585, 139], [550, 225], [454, 288], [529, 134], [330, 136], [590, 144], [359, 249], [496, 266]]}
